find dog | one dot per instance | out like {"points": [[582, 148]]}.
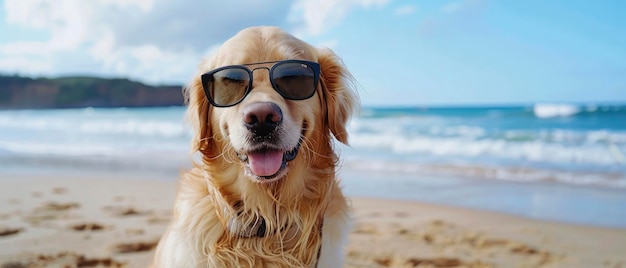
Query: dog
{"points": [[265, 109]]}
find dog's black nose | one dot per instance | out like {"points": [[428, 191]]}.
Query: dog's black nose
{"points": [[262, 118]]}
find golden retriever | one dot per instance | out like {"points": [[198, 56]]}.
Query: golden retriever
{"points": [[264, 110]]}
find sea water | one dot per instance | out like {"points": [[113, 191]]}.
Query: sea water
{"points": [[570, 157], [99, 140], [553, 142]]}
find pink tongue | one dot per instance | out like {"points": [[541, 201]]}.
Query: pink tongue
{"points": [[265, 163]]}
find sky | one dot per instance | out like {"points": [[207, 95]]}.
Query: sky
{"points": [[402, 53]]}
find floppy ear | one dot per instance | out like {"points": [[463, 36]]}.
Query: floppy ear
{"points": [[339, 92], [197, 116]]}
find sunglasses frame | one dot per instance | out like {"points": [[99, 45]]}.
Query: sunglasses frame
{"points": [[206, 77]]}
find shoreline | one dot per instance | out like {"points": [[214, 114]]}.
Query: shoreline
{"points": [[592, 205], [119, 220], [540, 200]]}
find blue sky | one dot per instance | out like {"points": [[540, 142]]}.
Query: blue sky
{"points": [[437, 52]]}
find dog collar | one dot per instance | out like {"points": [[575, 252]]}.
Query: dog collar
{"points": [[256, 228]]}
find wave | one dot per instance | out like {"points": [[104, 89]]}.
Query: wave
{"points": [[462, 148], [73, 148], [85, 123], [545, 110], [599, 178], [538, 110], [92, 132], [418, 138]]}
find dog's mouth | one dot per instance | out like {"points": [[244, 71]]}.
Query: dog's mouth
{"points": [[267, 163]]}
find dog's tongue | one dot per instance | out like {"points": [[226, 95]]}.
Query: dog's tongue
{"points": [[265, 163]]}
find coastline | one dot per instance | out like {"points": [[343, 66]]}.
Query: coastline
{"points": [[117, 220], [590, 205]]}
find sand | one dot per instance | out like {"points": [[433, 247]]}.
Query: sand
{"points": [[55, 221]]}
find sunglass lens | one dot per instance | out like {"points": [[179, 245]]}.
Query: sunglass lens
{"points": [[294, 80], [229, 86]]}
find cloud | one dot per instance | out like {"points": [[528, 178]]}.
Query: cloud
{"points": [[314, 17], [156, 41], [66, 21], [405, 10], [14, 64], [136, 38], [194, 24], [184, 24]]}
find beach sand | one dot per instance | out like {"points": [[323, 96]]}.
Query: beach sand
{"points": [[57, 221]]}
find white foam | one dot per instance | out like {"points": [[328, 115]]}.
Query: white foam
{"points": [[59, 149], [99, 126], [91, 148], [489, 172], [422, 137], [546, 110], [92, 132], [535, 150], [133, 127]]}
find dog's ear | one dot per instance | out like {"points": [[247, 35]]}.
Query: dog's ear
{"points": [[339, 93], [198, 117]]}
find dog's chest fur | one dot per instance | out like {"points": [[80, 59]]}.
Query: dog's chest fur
{"points": [[229, 233]]}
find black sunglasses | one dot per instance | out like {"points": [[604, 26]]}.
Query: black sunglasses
{"points": [[292, 79]]}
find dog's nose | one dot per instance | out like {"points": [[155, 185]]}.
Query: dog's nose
{"points": [[262, 118]]}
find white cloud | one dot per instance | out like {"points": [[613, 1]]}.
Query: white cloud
{"points": [[314, 17], [172, 24], [137, 38], [405, 10], [144, 5], [15, 65], [158, 41]]}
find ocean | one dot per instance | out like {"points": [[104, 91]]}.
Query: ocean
{"points": [[563, 162], [564, 143]]}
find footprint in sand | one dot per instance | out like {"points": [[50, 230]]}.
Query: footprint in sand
{"points": [[5, 231], [133, 247], [365, 228], [88, 227], [125, 211], [364, 259], [50, 211], [54, 206], [135, 231], [385, 262], [444, 262], [159, 220], [63, 259]]}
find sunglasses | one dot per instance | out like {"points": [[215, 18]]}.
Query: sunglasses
{"points": [[292, 79]]}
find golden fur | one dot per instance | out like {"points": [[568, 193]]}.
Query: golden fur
{"points": [[296, 207]]}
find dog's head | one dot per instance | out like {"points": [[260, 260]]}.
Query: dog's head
{"points": [[267, 103]]}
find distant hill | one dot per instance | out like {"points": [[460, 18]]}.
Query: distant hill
{"points": [[76, 92]]}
